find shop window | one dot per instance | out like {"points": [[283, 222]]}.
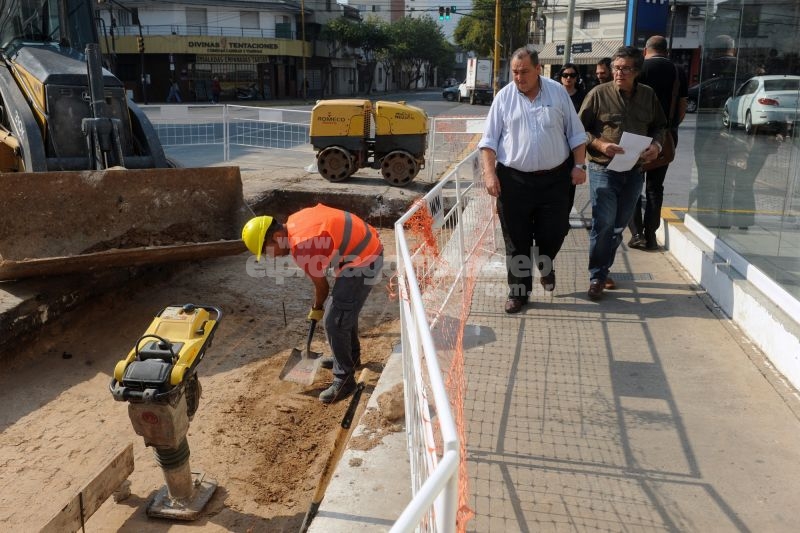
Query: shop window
{"points": [[249, 20], [590, 19], [283, 30], [123, 18], [196, 21], [751, 19], [680, 20]]}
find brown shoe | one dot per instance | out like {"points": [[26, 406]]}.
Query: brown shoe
{"points": [[610, 284], [596, 289], [548, 282], [514, 305]]}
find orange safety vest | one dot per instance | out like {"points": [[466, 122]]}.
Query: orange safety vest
{"points": [[355, 243]]}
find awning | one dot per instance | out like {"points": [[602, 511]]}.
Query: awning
{"points": [[583, 53]]}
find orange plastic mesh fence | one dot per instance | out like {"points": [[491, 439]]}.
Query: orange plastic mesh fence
{"points": [[447, 254]]}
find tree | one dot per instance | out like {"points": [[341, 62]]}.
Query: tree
{"points": [[416, 44], [476, 32], [373, 37]]}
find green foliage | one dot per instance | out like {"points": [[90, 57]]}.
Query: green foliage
{"points": [[476, 32], [408, 43], [417, 43]]}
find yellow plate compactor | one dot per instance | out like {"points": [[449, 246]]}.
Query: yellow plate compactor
{"points": [[159, 381]]}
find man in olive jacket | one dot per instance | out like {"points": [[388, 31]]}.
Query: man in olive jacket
{"points": [[609, 110]]}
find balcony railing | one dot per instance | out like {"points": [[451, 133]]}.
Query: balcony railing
{"points": [[206, 30]]}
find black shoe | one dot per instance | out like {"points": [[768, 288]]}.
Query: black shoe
{"points": [[514, 305], [338, 390], [638, 242], [549, 281], [596, 287], [650, 241]]}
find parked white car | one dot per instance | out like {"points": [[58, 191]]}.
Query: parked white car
{"points": [[764, 101]]}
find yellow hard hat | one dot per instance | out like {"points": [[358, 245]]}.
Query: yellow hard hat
{"points": [[253, 234]]}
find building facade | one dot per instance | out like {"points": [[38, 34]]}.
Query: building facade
{"points": [[254, 48]]}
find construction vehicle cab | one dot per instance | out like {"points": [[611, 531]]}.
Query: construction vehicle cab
{"points": [[349, 134], [65, 121], [61, 109]]}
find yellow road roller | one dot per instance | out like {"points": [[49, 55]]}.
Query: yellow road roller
{"points": [[349, 134]]}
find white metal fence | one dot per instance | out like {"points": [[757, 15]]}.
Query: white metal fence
{"points": [[230, 132], [236, 133], [428, 285], [450, 140]]}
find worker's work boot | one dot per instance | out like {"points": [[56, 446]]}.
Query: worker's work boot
{"points": [[338, 390]]}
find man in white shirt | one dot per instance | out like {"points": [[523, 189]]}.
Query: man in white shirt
{"points": [[533, 147]]}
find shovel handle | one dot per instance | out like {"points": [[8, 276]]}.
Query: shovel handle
{"points": [[311, 329]]}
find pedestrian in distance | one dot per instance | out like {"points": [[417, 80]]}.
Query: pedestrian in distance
{"points": [[533, 147], [669, 83], [602, 71], [216, 90], [318, 239], [571, 80], [608, 111], [174, 92]]}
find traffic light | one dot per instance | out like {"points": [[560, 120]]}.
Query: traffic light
{"points": [[140, 43], [441, 13], [447, 13]]}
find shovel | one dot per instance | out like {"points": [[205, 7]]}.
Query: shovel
{"points": [[302, 365]]}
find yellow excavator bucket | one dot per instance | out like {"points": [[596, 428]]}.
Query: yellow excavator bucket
{"points": [[79, 221]]}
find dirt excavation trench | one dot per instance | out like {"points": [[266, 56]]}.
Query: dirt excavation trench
{"points": [[263, 440]]}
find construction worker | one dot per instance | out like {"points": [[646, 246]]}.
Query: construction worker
{"points": [[318, 238]]}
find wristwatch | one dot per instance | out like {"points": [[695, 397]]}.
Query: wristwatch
{"points": [[582, 166]]}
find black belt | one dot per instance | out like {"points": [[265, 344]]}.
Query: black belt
{"points": [[560, 167]]}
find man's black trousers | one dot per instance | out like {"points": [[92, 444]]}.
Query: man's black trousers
{"points": [[534, 216]]}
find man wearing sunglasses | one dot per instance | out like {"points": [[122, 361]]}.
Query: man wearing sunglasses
{"points": [[609, 110]]}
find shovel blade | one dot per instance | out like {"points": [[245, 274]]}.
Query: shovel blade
{"points": [[301, 367]]}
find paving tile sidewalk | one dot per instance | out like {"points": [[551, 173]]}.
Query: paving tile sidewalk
{"points": [[645, 411]]}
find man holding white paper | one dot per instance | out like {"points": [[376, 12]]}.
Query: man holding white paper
{"points": [[609, 112]]}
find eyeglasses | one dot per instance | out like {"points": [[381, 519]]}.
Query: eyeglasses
{"points": [[569, 75], [622, 70]]}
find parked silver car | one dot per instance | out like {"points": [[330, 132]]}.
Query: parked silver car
{"points": [[772, 101]]}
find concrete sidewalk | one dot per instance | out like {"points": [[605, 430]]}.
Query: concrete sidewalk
{"points": [[647, 410]]}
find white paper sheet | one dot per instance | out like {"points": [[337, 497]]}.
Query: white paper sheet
{"points": [[633, 145]]}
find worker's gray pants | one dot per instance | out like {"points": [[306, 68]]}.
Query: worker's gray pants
{"points": [[350, 291]]}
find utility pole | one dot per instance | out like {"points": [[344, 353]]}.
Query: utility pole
{"points": [[141, 56], [303, 37], [532, 24], [568, 40], [496, 66]]}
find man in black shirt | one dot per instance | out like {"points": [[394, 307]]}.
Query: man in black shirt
{"points": [[659, 73]]}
